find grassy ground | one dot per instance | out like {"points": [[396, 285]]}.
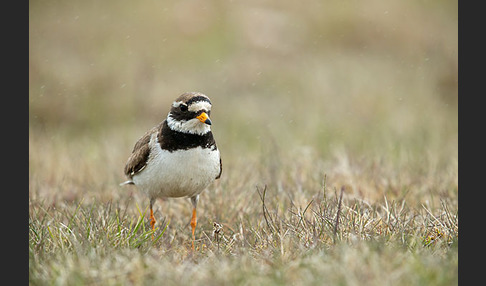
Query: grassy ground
{"points": [[337, 123]]}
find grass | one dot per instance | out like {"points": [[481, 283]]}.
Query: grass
{"points": [[107, 243], [337, 127]]}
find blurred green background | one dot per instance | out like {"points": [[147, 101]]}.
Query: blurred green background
{"points": [[375, 80]]}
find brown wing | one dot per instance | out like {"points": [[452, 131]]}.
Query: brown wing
{"points": [[220, 169], [138, 159]]}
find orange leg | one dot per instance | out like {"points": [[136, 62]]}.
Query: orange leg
{"points": [[152, 219], [193, 225]]}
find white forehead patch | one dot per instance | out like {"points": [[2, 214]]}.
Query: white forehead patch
{"points": [[200, 105], [177, 103]]}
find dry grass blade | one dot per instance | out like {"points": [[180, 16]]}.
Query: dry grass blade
{"points": [[336, 223], [266, 213]]}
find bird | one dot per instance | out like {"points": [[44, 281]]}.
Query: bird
{"points": [[178, 157]]}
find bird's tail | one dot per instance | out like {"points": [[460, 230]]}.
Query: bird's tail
{"points": [[129, 182]]}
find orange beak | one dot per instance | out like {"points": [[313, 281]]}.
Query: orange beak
{"points": [[203, 117]]}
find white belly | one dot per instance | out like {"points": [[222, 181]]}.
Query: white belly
{"points": [[178, 174]]}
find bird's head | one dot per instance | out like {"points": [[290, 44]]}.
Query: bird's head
{"points": [[190, 114]]}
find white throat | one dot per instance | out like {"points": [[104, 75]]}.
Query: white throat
{"points": [[193, 126]]}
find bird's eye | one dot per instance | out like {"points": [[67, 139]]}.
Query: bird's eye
{"points": [[183, 107]]}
